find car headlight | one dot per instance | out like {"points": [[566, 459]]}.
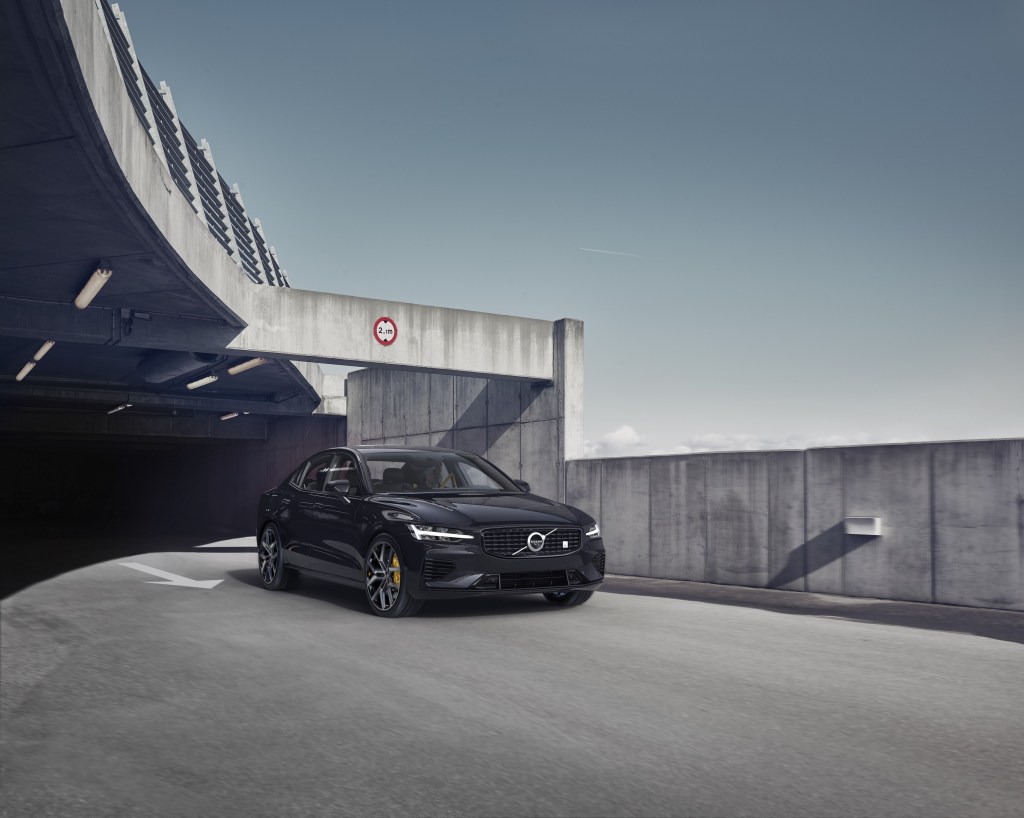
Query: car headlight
{"points": [[593, 532], [434, 533]]}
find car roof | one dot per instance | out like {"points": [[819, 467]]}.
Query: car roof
{"points": [[388, 448]]}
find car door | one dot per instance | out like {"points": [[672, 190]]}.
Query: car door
{"points": [[303, 528], [334, 549]]}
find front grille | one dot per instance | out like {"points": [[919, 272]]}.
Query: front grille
{"points": [[435, 569], [512, 542], [533, 579], [599, 563]]}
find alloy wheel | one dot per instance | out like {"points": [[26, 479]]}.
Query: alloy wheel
{"points": [[383, 576], [268, 555]]}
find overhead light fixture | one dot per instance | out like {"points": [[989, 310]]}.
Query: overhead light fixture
{"points": [[229, 415], [25, 370], [95, 283], [46, 347], [202, 382], [118, 408], [252, 363]]}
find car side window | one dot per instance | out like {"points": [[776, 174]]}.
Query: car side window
{"points": [[341, 475], [312, 477]]}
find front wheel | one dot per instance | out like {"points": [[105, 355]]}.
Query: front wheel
{"points": [[567, 599], [385, 590]]}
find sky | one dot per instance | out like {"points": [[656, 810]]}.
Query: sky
{"points": [[784, 224]]}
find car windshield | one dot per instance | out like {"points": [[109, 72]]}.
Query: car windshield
{"points": [[428, 471]]}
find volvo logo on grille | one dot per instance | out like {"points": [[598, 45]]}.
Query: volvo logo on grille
{"points": [[535, 542]]}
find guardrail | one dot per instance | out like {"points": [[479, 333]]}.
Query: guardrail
{"points": [[190, 164]]}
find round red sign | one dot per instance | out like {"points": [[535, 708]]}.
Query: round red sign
{"points": [[385, 331]]}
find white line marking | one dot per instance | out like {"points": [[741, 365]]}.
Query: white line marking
{"points": [[171, 579]]}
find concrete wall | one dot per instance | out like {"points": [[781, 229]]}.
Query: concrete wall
{"points": [[952, 519], [527, 429]]}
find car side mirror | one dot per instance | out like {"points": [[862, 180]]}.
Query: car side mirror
{"points": [[522, 484]]}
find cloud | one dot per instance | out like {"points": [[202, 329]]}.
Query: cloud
{"points": [[622, 442], [627, 442]]}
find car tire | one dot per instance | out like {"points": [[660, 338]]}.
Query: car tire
{"points": [[386, 589], [566, 599], [274, 576]]}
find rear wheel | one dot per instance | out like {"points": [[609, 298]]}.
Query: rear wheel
{"points": [[273, 574], [566, 599], [385, 587]]}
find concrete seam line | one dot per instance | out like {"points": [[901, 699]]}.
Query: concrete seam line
{"points": [[842, 516], [805, 565], [650, 523], [931, 518], [707, 521]]}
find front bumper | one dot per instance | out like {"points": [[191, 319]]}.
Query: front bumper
{"points": [[455, 572]]}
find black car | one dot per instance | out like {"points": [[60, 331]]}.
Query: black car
{"points": [[411, 524]]}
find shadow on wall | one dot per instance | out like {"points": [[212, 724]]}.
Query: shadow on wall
{"points": [[818, 552], [479, 408]]}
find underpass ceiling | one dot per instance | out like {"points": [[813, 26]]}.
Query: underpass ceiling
{"points": [[90, 367], [58, 220]]}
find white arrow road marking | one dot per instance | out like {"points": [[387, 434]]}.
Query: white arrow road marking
{"points": [[172, 579], [248, 543]]}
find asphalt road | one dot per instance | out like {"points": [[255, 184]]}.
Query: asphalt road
{"points": [[121, 697]]}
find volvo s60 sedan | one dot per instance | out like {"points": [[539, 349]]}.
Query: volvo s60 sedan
{"points": [[412, 524]]}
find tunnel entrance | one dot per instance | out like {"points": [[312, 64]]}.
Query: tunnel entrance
{"points": [[74, 500]]}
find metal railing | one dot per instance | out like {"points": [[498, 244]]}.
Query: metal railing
{"points": [[190, 163]]}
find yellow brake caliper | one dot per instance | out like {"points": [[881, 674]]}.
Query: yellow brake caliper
{"points": [[397, 574]]}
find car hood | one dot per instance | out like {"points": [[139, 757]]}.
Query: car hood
{"points": [[486, 509]]}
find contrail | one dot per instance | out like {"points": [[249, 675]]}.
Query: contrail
{"points": [[610, 252]]}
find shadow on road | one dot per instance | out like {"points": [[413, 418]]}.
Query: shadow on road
{"points": [[354, 599], [995, 624]]}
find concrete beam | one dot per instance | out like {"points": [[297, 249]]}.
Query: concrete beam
{"points": [[315, 327], [290, 406], [26, 318], [330, 328], [93, 424]]}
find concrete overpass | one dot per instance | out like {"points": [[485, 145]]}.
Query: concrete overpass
{"points": [[155, 373]]}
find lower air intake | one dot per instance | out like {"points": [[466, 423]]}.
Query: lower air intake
{"points": [[434, 569], [533, 579]]}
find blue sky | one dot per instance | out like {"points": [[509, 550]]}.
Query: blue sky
{"points": [[822, 202]]}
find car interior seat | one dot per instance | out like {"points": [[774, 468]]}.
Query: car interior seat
{"points": [[311, 482]]}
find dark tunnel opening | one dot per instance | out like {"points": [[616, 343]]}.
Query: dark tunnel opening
{"points": [[68, 503]]}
